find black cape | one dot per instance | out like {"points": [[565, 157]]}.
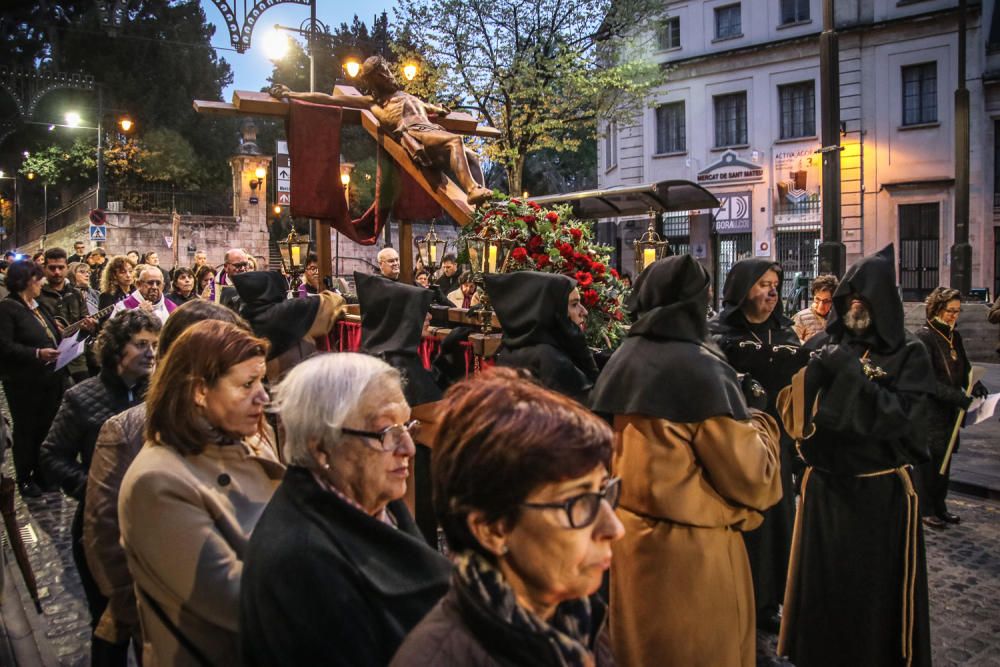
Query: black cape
{"points": [[860, 545], [771, 353], [667, 368], [272, 315], [326, 584], [537, 333], [392, 323]]}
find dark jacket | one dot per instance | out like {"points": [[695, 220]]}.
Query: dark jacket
{"points": [[111, 298], [67, 305], [461, 631], [179, 299], [951, 379], [21, 336], [66, 452], [324, 583]]}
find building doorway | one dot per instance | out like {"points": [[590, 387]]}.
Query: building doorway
{"points": [[919, 249], [729, 249]]}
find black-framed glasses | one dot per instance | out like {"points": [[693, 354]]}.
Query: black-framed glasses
{"points": [[582, 510], [388, 438]]}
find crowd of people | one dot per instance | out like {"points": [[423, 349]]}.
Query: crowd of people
{"points": [[246, 499]]}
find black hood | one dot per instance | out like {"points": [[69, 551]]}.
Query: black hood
{"points": [[532, 307], [744, 274], [271, 314], [670, 299], [874, 278], [392, 314], [666, 368], [392, 325]]}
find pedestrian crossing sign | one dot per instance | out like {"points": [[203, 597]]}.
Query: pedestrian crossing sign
{"points": [[98, 233]]}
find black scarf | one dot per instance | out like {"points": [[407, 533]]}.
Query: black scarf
{"points": [[271, 314], [666, 367], [483, 594]]}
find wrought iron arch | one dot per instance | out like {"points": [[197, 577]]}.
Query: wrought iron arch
{"points": [[240, 32], [27, 87]]}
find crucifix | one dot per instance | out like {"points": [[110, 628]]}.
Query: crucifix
{"points": [[401, 124]]}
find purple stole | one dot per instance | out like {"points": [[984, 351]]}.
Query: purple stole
{"points": [[131, 303]]}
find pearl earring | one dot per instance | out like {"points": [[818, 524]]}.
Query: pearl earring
{"points": [[504, 550]]}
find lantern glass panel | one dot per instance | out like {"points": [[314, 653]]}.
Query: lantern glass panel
{"points": [[477, 254]]}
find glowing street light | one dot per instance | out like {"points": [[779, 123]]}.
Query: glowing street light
{"points": [[125, 124], [410, 71], [72, 118], [352, 67], [275, 44]]}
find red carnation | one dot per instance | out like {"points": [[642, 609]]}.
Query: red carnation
{"points": [[590, 298], [583, 261], [535, 243], [566, 250], [597, 268], [576, 234], [534, 205], [614, 273], [618, 316], [584, 279], [519, 254], [542, 260], [552, 216], [528, 219]]}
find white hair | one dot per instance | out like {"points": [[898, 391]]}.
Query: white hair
{"points": [[319, 395], [384, 253]]}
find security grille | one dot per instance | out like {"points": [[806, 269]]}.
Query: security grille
{"points": [[797, 250], [919, 243], [731, 248]]}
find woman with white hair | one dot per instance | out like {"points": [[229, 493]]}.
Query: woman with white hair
{"points": [[337, 549]]}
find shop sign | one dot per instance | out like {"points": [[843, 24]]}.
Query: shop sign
{"points": [[730, 169], [734, 216]]}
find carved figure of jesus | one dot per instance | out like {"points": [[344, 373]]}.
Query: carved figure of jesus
{"points": [[407, 118]]}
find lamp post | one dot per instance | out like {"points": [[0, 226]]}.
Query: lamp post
{"points": [[649, 247], [431, 249]]}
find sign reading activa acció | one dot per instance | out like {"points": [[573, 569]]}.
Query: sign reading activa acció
{"points": [[730, 169]]}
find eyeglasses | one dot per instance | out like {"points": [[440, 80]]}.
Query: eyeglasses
{"points": [[582, 510], [388, 438], [312, 269], [152, 283], [822, 302], [240, 265]]}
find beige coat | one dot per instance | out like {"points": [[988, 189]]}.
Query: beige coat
{"points": [[681, 592], [185, 523]]}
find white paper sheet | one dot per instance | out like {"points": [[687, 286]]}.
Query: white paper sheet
{"points": [[70, 349], [981, 409]]}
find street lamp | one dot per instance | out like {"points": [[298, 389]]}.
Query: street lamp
{"points": [[649, 247], [260, 173], [410, 71], [352, 67]]}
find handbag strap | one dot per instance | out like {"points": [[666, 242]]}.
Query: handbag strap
{"points": [[188, 645]]}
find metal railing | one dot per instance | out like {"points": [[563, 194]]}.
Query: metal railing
{"points": [[198, 202], [75, 211]]}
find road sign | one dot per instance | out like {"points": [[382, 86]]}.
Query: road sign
{"points": [[284, 185], [284, 172], [284, 198], [283, 162], [98, 233]]}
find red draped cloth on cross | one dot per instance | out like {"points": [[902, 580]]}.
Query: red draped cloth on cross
{"points": [[314, 149]]}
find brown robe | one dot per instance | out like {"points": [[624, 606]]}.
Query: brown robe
{"points": [[681, 592]]}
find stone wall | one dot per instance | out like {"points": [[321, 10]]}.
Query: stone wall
{"points": [[151, 231]]}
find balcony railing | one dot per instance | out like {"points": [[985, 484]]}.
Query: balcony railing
{"points": [[798, 213]]}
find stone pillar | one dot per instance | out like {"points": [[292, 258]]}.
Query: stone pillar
{"points": [[250, 193]]}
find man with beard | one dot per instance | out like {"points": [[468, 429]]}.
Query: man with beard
{"points": [[543, 321], [758, 340], [857, 583]]}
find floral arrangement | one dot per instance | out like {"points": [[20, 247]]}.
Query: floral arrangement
{"points": [[551, 240]]}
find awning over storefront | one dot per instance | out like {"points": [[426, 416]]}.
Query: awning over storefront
{"points": [[627, 200]]}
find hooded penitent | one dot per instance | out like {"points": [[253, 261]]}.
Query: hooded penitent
{"points": [[272, 315], [533, 309], [859, 546], [667, 368], [392, 323]]}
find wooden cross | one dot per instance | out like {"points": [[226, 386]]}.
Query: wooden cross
{"points": [[442, 189]]}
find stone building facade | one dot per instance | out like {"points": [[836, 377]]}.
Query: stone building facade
{"points": [[740, 114]]}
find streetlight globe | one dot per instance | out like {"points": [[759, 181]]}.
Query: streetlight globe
{"points": [[277, 209], [31, 175], [125, 124], [410, 71], [352, 67], [72, 118], [275, 44], [345, 178], [260, 173], [1, 173]]}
